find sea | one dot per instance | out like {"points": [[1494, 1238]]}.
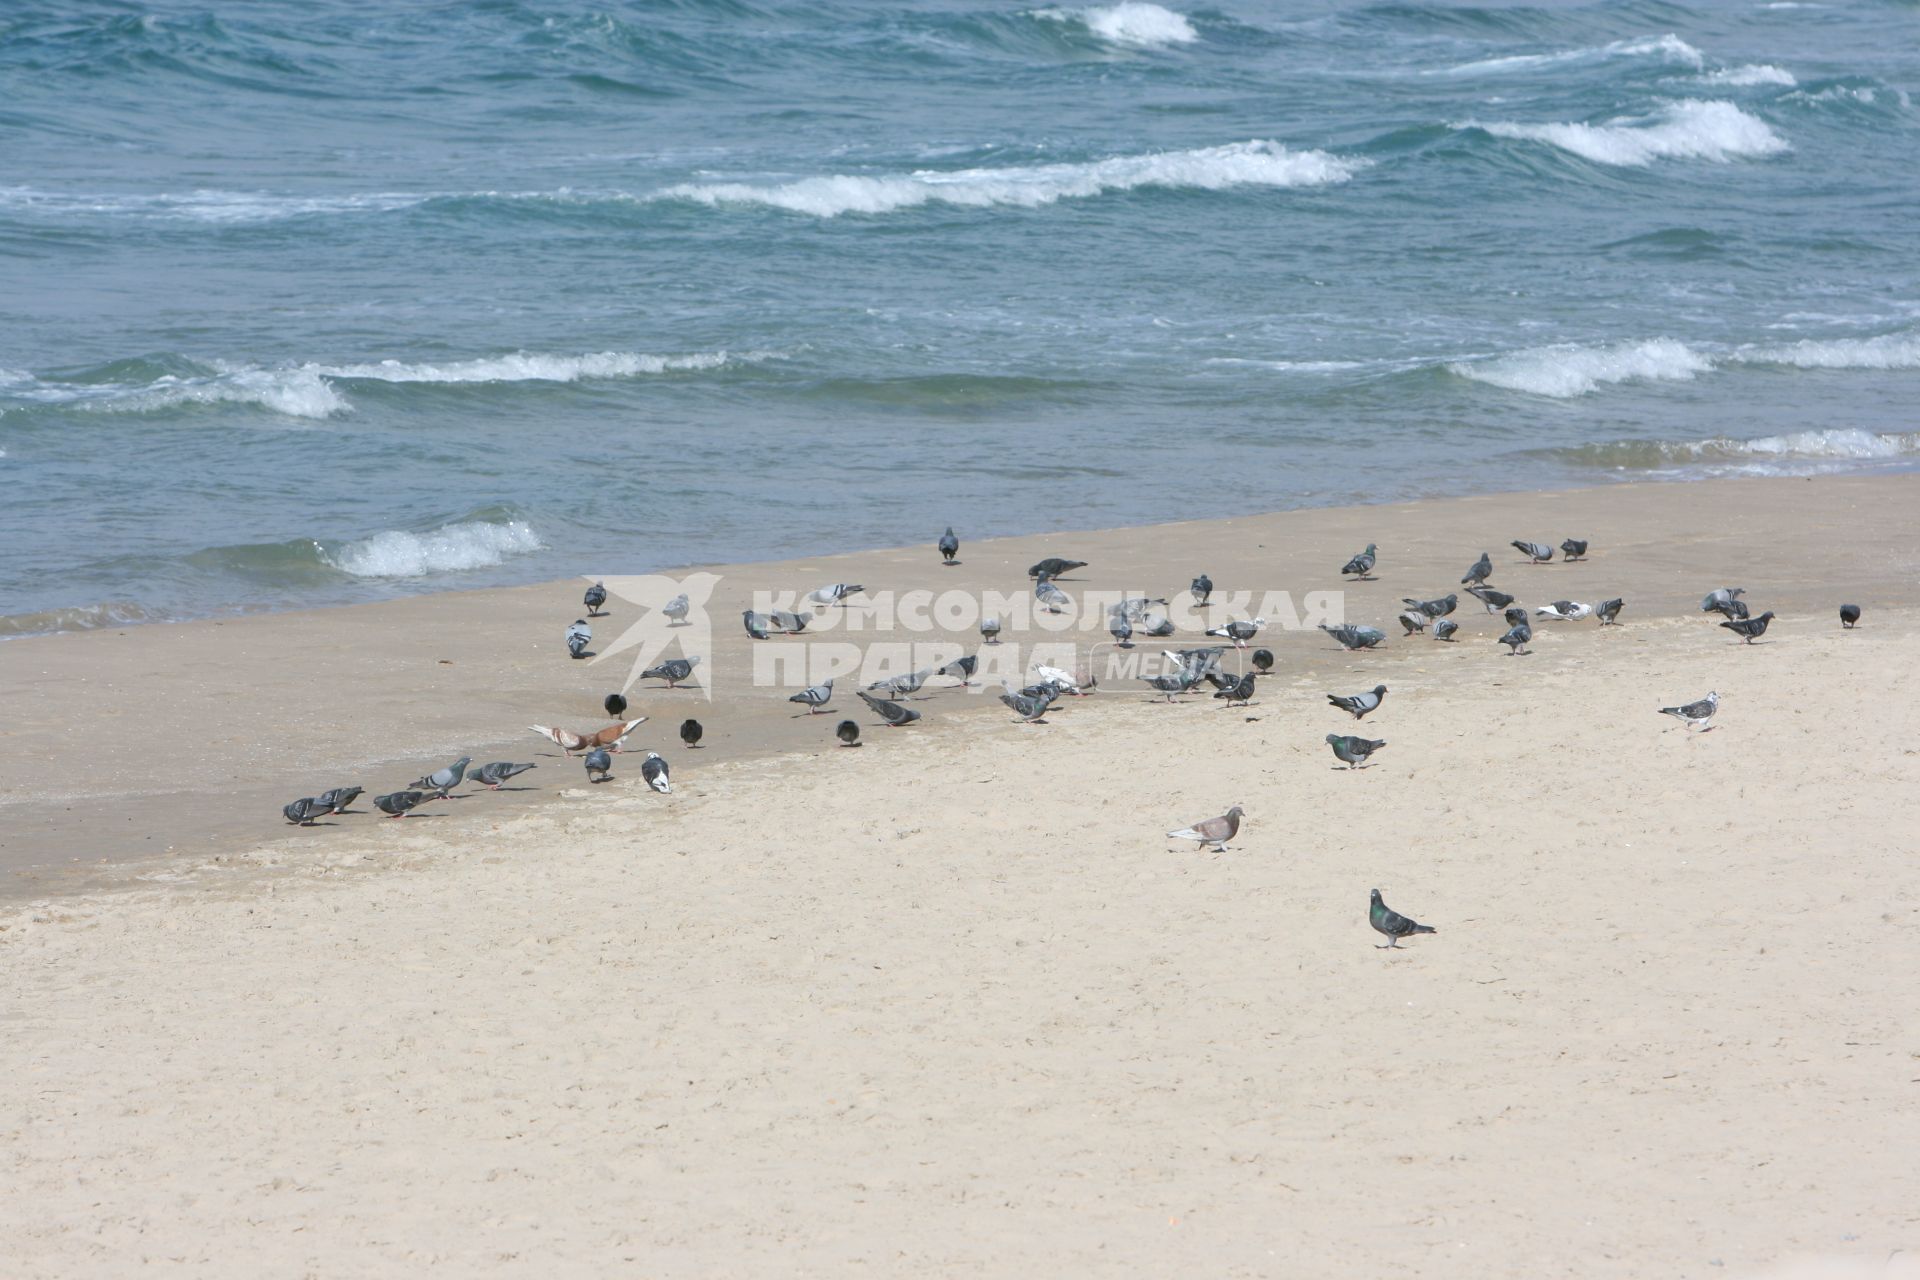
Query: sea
{"points": [[328, 301]]}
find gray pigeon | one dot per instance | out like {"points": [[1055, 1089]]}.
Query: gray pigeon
{"points": [[1444, 628], [579, 636], [1030, 708], [301, 813], [1240, 691], [1240, 630], [653, 770], [1433, 608], [1202, 590], [1573, 549], [1159, 627], [1262, 660], [990, 630], [1173, 682], [1361, 566], [1694, 714], [1214, 832], [396, 804], [677, 610], [1353, 637], [1413, 621], [444, 780], [595, 597], [848, 732], [1537, 552], [1517, 639], [600, 763], [1481, 570], [756, 623], [1358, 705], [1515, 616], [791, 623], [1849, 615], [1120, 629], [492, 775], [1736, 610], [1197, 662], [961, 668], [1054, 567], [1749, 629], [835, 593], [673, 670], [1494, 600], [949, 545], [1718, 599], [340, 799], [814, 696], [1354, 751], [901, 685], [1608, 610], [892, 712], [1395, 926], [1049, 595]]}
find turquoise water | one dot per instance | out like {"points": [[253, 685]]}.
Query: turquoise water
{"points": [[305, 303]]}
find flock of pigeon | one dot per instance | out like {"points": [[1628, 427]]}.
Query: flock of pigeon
{"points": [[1189, 670]]}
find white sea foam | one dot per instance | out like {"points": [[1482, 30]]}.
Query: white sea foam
{"points": [[224, 207], [1886, 351], [397, 553], [1686, 130], [1839, 442], [296, 393], [1752, 74], [1668, 48], [525, 366], [1130, 23], [1266, 164], [1567, 370]]}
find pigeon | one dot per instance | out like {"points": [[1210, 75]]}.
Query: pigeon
{"points": [[1564, 610], [949, 545], [756, 623], [835, 593], [445, 780], [1173, 682], [1051, 596], [1214, 832], [301, 813], [1608, 610], [1517, 638], [1353, 637], [613, 735], [1735, 610], [579, 636], [654, 771], [1515, 615], [339, 800], [848, 732], [1413, 621], [961, 669], [616, 705], [1029, 708], [1353, 750], [1433, 608], [673, 670], [901, 685], [566, 739], [1494, 600], [397, 803], [1202, 590], [1240, 691], [1361, 566], [1263, 660], [1063, 681], [814, 696], [1197, 662], [1481, 570], [1444, 628], [1054, 567], [1395, 926], [677, 610], [1573, 549], [1849, 615], [789, 622], [990, 630], [1719, 598], [492, 775], [892, 712], [1140, 608], [599, 762], [1694, 714], [1358, 705], [1159, 627], [595, 597], [1221, 680], [691, 733], [1749, 629], [1239, 631], [1120, 629], [1535, 551]]}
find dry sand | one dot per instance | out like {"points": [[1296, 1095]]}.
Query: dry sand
{"points": [[949, 1004]]}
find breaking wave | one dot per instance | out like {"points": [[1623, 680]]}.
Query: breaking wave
{"points": [[1133, 23], [1566, 370], [396, 553], [1685, 130]]}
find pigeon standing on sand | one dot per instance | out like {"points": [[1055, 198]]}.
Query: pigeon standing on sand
{"points": [[616, 705], [1413, 621], [1352, 637], [1433, 608], [901, 685], [1049, 595], [614, 735], [791, 623], [1564, 610], [1238, 691], [397, 804], [691, 733], [1494, 600], [1354, 751], [1694, 714], [1395, 926], [1517, 638], [1481, 570], [566, 739], [492, 775], [848, 732], [600, 763], [595, 597], [653, 770], [835, 593], [1608, 610], [1444, 629], [301, 813], [1849, 615], [1537, 552], [1361, 566], [1173, 682], [579, 636], [1030, 709], [990, 630], [673, 670], [1515, 616], [1240, 630], [1120, 629], [1054, 567], [892, 712], [756, 623], [1202, 590], [1717, 600], [340, 799], [444, 780], [1749, 629], [949, 545], [961, 669], [1214, 832], [1358, 705], [677, 610], [814, 696], [1573, 549], [1263, 660]]}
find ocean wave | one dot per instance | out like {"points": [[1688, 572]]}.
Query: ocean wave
{"points": [[1140, 25], [1567, 370], [525, 366], [1885, 351], [1256, 163], [1752, 74], [1840, 444], [225, 208], [85, 617], [294, 393], [397, 553], [1668, 48], [1685, 130]]}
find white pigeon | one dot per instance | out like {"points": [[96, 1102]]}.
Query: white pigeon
{"points": [[1564, 610], [1061, 680]]}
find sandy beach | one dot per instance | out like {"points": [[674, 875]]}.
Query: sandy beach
{"points": [[950, 1003]]}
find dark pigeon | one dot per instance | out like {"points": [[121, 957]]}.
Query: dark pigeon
{"points": [[616, 705], [1354, 751], [1202, 589], [756, 623], [301, 813], [892, 712], [1481, 570], [1053, 567], [1031, 708], [961, 668], [673, 670], [595, 597], [396, 804], [340, 799], [1444, 629], [1494, 600], [599, 762], [848, 732], [691, 733], [492, 775], [1515, 616], [1849, 614], [1433, 608], [1749, 629], [1717, 600], [1352, 637], [1240, 691], [1517, 639], [1608, 610], [949, 545], [1395, 926], [1263, 660], [1120, 629], [1361, 566], [1573, 549]]}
